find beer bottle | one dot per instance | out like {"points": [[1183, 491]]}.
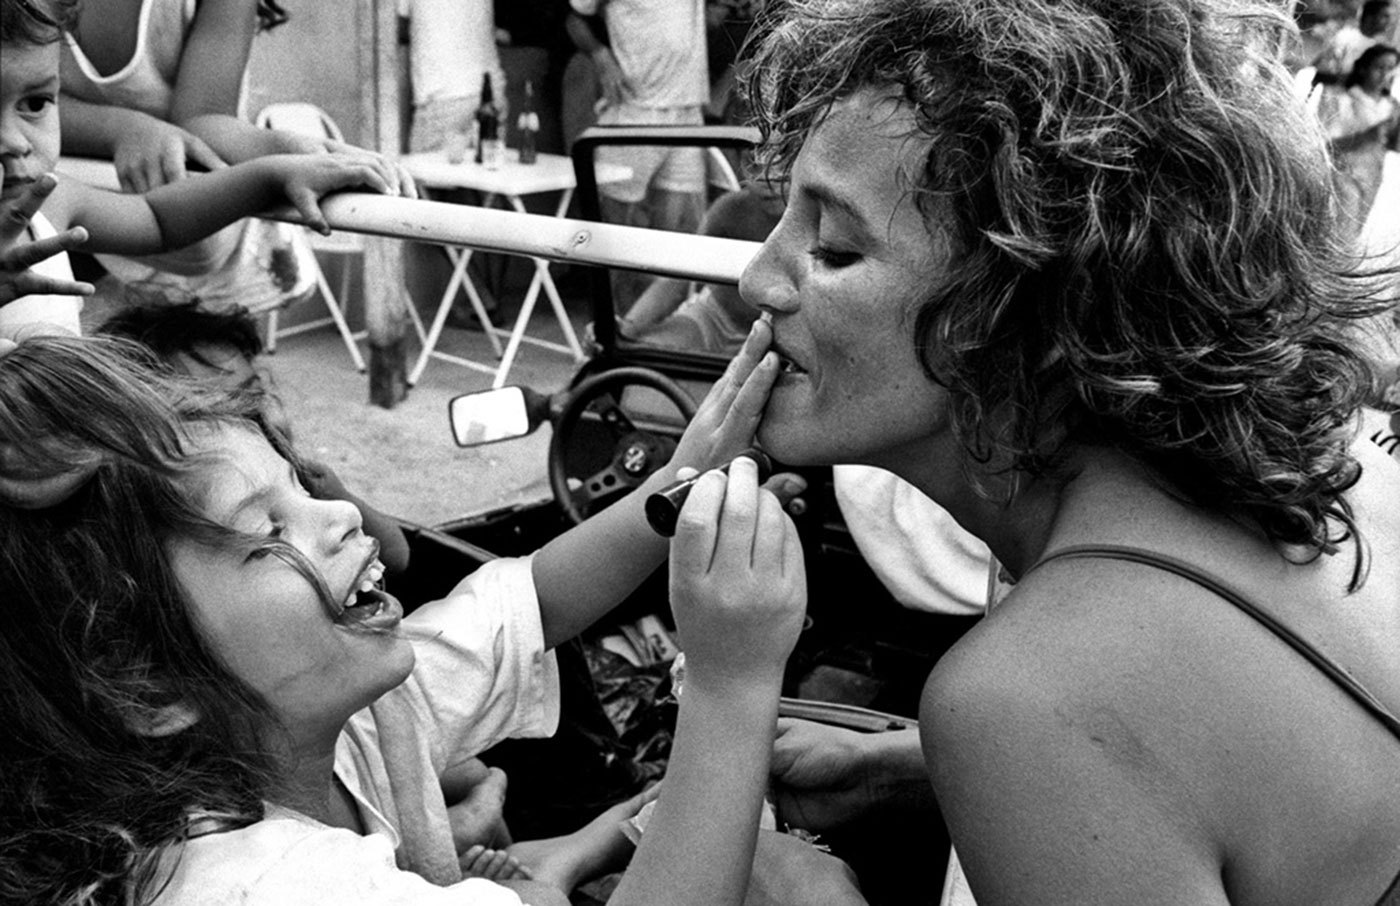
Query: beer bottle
{"points": [[528, 125], [489, 146]]}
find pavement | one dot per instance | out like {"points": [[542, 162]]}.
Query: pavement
{"points": [[403, 460]]}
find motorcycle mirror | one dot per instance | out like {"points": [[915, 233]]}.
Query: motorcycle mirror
{"points": [[489, 416]]}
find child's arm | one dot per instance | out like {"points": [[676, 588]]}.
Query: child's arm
{"points": [[589, 570], [18, 254], [661, 297], [147, 151], [738, 591], [179, 213]]}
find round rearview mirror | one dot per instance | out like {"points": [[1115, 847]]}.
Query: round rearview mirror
{"points": [[492, 415]]}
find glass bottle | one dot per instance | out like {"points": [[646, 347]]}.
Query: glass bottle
{"points": [[528, 125], [490, 148]]}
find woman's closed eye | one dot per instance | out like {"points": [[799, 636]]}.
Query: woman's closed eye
{"points": [[835, 258]]}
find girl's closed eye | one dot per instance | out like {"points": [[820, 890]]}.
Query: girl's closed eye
{"points": [[269, 539]]}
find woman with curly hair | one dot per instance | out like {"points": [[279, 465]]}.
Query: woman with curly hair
{"points": [[1074, 269]]}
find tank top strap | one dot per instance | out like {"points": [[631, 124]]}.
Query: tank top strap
{"points": [[1217, 586]]}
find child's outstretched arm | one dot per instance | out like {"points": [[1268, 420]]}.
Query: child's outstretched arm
{"points": [[589, 570], [179, 213], [18, 254]]}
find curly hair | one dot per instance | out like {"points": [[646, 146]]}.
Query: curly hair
{"points": [[1148, 255], [96, 639]]}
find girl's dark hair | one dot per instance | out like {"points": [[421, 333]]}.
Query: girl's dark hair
{"points": [[35, 22], [1146, 252], [96, 638], [1368, 58]]}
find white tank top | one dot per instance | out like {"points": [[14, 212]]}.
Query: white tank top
{"points": [[147, 81]]}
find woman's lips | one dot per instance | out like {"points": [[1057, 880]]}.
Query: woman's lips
{"points": [[786, 363]]}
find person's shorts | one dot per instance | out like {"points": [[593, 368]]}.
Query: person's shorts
{"points": [[680, 170]]}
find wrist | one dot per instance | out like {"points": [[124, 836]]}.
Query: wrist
{"points": [[896, 775], [754, 686]]}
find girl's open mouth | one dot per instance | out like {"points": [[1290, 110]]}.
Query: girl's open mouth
{"points": [[368, 605]]}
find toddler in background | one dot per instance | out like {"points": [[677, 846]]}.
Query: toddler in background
{"points": [[73, 213]]}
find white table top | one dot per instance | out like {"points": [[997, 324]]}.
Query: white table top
{"points": [[550, 173]]}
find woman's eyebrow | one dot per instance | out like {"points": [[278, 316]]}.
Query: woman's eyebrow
{"points": [[829, 198]]}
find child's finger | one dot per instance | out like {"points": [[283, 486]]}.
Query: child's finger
{"points": [[408, 186], [373, 177], [16, 216], [172, 162], [746, 411], [31, 253], [743, 363], [28, 283], [697, 527], [200, 153], [770, 534], [305, 201], [739, 514]]}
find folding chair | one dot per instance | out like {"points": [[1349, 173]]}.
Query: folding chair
{"points": [[308, 119]]}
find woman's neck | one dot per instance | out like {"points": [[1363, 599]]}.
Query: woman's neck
{"points": [[1022, 517]]}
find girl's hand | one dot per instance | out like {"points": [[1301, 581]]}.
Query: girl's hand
{"points": [[738, 587], [18, 254], [305, 178], [155, 153], [725, 422]]}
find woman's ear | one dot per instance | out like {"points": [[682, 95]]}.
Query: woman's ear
{"points": [[166, 720]]}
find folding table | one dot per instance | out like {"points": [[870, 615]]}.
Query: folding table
{"points": [[510, 183]]}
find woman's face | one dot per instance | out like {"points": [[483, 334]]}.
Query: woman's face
{"points": [[261, 615], [842, 277]]}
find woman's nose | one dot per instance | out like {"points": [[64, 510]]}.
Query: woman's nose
{"points": [[766, 283]]}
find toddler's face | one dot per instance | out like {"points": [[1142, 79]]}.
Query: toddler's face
{"points": [[29, 135]]}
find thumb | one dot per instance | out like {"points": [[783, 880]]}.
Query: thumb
{"points": [[786, 486]]}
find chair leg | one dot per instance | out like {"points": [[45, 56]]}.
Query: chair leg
{"points": [[270, 344], [339, 317]]}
